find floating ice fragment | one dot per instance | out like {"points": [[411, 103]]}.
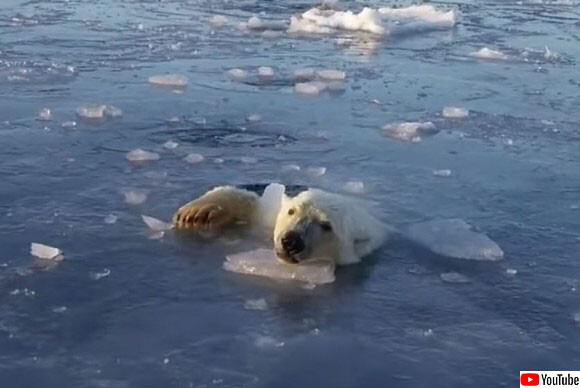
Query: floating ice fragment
{"points": [[263, 262], [550, 55], [237, 74], [511, 272], [45, 252], [265, 341], [332, 75], [69, 124], [452, 112], [310, 88], [270, 203], [112, 111], [135, 197], [219, 20], [487, 53], [410, 131], [45, 114], [24, 291], [265, 72], [139, 155], [317, 21], [194, 158], [156, 225], [442, 173], [253, 118], [99, 275], [454, 238], [316, 171], [355, 187], [576, 318], [418, 17], [255, 23], [170, 145], [59, 309], [110, 219], [218, 160], [305, 74], [169, 80], [248, 160], [91, 111], [290, 168], [454, 277], [256, 304]]}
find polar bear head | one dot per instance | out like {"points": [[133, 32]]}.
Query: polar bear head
{"points": [[309, 226]]}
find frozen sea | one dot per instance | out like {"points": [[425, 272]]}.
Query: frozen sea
{"points": [[125, 310]]}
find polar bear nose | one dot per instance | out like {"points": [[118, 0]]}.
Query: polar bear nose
{"points": [[292, 242]]}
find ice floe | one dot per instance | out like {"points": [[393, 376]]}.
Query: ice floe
{"points": [[265, 72], [45, 114], [312, 88], [379, 21], [412, 131], [263, 262], [332, 75], [256, 304], [238, 74], [454, 238], [135, 197], [139, 155], [454, 277], [442, 173], [170, 145], [316, 171], [98, 111], [45, 252], [194, 158], [155, 224], [169, 80], [490, 54], [453, 112]]}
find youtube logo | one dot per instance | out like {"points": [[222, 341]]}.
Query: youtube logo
{"points": [[530, 379]]}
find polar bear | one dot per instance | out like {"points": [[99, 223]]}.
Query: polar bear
{"points": [[314, 224]]}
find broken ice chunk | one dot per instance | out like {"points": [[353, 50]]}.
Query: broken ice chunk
{"points": [[355, 187], [265, 341], [316, 171], [91, 111], [442, 173], [99, 275], [290, 168], [112, 111], [410, 131], [255, 23], [256, 304], [270, 203], [310, 88], [69, 124], [156, 225], [263, 262], [253, 118], [139, 155], [265, 72], [452, 112], [332, 75], [454, 238], [45, 252], [170, 145], [454, 277], [110, 219], [487, 53], [194, 158], [45, 114], [304, 74], [135, 197], [169, 80], [237, 74], [219, 20]]}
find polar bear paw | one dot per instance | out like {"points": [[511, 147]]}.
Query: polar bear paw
{"points": [[206, 217]]}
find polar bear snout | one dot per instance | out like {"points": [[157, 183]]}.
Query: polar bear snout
{"points": [[292, 243]]}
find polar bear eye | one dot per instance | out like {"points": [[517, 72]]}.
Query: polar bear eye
{"points": [[326, 226], [291, 212]]}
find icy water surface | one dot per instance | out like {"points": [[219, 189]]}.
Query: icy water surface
{"points": [[125, 310]]}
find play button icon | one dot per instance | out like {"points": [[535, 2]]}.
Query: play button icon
{"points": [[530, 379]]}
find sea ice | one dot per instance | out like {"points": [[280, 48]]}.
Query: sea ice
{"points": [[265, 72], [219, 20], [305, 74], [156, 225], [355, 187], [270, 203], [442, 173], [316, 171], [511, 272], [454, 238], [135, 197], [419, 17], [139, 155], [254, 118], [332, 75], [91, 111], [110, 219], [255, 23], [452, 112], [169, 80], [290, 168], [265, 341], [410, 131], [112, 111], [194, 158], [69, 124], [45, 114], [263, 262], [237, 74], [310, 88], [256, 304], [487, 53], [454, 277], [45, 252], [170, 145]]}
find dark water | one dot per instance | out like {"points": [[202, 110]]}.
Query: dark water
{"points": [[167, 315]]}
